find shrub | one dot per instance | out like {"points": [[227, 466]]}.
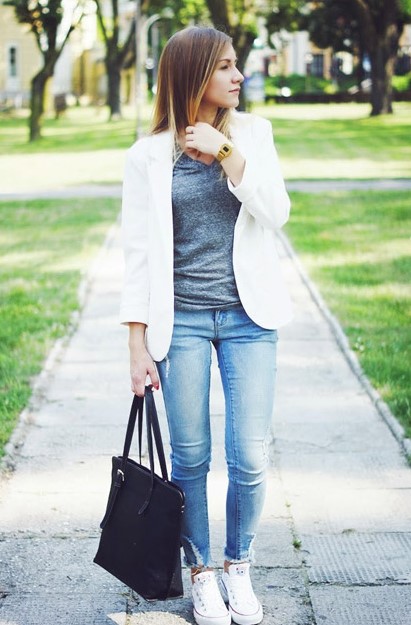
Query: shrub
{"points": [[298, 84], [401, 83]]}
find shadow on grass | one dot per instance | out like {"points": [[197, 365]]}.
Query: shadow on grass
{"points": [[77, 130]]}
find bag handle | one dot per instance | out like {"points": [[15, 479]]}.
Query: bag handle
{"points": [[152, 426], [152, 417]]}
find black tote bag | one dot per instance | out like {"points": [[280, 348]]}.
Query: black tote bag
{"points": [[140, 538]]}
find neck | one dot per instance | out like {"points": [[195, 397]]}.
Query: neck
{"points": [[207, 114]]}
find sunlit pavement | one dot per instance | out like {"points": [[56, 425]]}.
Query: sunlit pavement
{"points": [[334, 546], [308, 186]]}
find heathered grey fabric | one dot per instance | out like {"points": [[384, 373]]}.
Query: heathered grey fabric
{"points": [[204, 216]]}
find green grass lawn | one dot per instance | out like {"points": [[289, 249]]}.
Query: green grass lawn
{"points": [[342, 141], [77, 130], [356, 247], [314, 142], [45, 246]]}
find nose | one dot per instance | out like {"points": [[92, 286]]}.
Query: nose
{"points": [[237, 77]]}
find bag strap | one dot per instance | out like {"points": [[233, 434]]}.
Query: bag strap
{"points": [[152, 426], [152, 416], [136, 407]]}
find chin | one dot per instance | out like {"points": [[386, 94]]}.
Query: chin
{"points": [[234, 101]]}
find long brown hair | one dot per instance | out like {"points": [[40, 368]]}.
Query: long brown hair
{"points": [[185, 68]]}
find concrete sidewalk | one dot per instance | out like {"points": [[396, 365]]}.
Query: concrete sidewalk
{"points": [[306, 186], [334, 546]]}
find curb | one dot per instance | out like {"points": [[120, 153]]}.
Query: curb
{"points": [[40, 383], [342, 341]]}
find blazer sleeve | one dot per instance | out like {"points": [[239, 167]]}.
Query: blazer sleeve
{"points": [[134, 234], [262, 190]]}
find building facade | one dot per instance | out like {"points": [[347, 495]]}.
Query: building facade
{"points": [[19, 60]]}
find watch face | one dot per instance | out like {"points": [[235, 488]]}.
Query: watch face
{"points": [[225, 150]]}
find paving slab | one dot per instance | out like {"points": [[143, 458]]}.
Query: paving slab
{"points": [[321, 511], [273, 546], [281, 591], [55, 577], [356, 558], [332, 436], [341, 469], [382, 605], [57, 609]]}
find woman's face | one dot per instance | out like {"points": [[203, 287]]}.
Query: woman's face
{"points": [[223, 90]]}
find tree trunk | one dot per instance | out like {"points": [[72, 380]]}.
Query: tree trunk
{"points": [[360, 73], [380, 31], [38, 87], [382, 67], [114, 82]]}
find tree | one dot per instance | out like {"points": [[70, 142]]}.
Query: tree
{"points": [[116, 51], [121, 51], [238, 18], [235, 17], [44, 18], [371, 27], [380, 25], [331, 27]]}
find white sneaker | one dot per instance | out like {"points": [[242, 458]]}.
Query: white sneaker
{"points": [[245, 609], [209, 607]]}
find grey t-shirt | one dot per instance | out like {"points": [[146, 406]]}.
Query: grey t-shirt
{"points": [[204, 216]]}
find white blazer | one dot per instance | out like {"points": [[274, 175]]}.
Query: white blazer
{"points": [[147, 232]]}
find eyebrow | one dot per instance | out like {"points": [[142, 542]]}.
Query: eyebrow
{"points": [[229, 60]]}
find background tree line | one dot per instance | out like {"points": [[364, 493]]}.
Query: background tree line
{"points": [[362, 27]]}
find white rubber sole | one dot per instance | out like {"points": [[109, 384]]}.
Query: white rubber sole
{"points": [[247, 619], [242, 619], [207, 620]]}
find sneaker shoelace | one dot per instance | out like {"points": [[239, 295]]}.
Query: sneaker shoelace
{"points": [[241, 588], [208, 594]]}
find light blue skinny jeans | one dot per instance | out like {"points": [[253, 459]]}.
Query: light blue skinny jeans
{"points": [[247, 360]]}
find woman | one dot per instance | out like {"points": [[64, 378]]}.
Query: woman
{"points": [[203, 196]]}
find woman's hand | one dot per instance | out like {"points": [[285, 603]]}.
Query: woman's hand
{"points": [[203, 138], [141, 363]]}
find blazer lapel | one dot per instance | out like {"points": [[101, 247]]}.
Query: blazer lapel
{"points": [[160, 174], [160, 170]]}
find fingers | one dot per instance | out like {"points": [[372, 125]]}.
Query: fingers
{"points": [[138, 385], [139, 377], [153, 375], [190, 133], [190, 139], [204, 138]]}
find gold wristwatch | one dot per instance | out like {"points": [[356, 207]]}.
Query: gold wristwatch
{"points": [[224, 151]]}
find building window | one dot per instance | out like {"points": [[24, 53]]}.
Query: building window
{"points": [[12, 62], [317, 65]]}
